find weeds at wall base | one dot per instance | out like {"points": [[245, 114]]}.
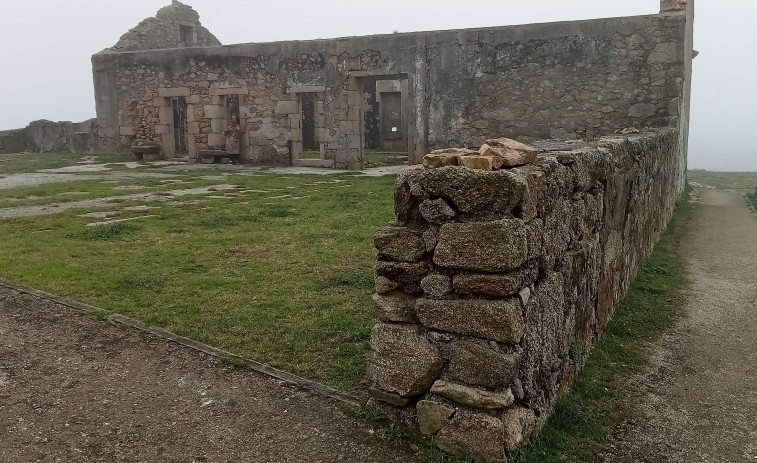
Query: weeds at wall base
{"points": [[602, 398]]}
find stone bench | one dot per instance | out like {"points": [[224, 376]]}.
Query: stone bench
{"points": [[151, 151], [217, 155]]}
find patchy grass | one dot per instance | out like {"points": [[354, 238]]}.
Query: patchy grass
{"points": [[602, 396], [235, 362], [31, 162], [724, 180], [379, 158], [279, 272]]}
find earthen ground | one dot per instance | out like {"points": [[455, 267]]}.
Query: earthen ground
{"points": [[76, 389], [703, 382]]}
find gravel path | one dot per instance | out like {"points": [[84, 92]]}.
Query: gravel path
{"points": [[76, 389], [703, 383]]}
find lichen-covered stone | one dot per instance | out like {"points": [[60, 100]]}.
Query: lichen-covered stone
{"points": [[385, 285], [395, 306], [432, 416], [496, 284], [436, 210], [437, 285], [480, 366], [402, 360], [405, 203], [498, 320], [399, 243], [407, 274], [476, 190], [478, 435], [519, 424], [485, 246]]}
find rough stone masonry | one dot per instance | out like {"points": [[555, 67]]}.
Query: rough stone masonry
{"points": [[169, 84], [489, 281]]}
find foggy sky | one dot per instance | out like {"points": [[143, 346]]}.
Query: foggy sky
{"points": [[45, 67]]}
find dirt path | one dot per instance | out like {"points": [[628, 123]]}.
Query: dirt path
{"points": [[704, 380], [76, 389]]}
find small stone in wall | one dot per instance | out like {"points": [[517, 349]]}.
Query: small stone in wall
{"points": [[472, 397], [519, 424], [437, 285], [402, 360], [385, 285], [436, 210], [399, 243], [432, 416], [395, 306], [477, 365], [513, 153], [478, 435], [407, 274]]}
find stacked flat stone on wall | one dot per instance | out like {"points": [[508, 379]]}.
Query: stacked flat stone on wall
{"points": [[489, 279]]}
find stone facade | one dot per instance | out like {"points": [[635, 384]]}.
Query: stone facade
{"points": [[482, 307], [561, 80], [175, 26]]}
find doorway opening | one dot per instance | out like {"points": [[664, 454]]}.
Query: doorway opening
{"points": [[387, 121], [179, 110]]}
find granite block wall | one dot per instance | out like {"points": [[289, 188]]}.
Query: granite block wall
{"points": [[489, 280]]}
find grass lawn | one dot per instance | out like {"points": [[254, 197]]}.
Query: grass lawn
{"points": [[278, 269], [724, 180]]}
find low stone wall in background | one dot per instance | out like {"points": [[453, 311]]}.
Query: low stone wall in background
{"points": [[491, 284], [46, 136]]}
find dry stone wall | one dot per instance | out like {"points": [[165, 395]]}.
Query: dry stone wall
{"points": [[489, 281], [46, 136]]}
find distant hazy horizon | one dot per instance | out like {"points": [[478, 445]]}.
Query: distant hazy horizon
{"points": [[47, 70]]}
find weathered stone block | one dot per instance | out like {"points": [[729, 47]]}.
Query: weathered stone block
{"points": [[497, 285], [432, 416], [476, 162], [385, 285], [402, 360], [477, 365], [497, 320], [436, 210], [519, 423], [486, 246], [512, 153], [395, 306], [472, 397], [437, 285], [476, 190], [406, 203], [478, 435], [445, 157], [407, 274], [400, 243]]}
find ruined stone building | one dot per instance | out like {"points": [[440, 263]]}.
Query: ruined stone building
{"points": [[169, 83]]}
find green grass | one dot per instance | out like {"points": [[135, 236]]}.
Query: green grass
{"points": [[31, 162], [378, 157], [724, 180], [280, 273], [602, 396]]}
